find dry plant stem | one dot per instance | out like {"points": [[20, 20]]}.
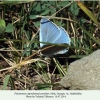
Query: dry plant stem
{"points": [[19, 64], [61, 9], [61, 18]]}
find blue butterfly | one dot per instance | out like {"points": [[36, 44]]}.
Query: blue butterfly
{"points": [[51, 33]]}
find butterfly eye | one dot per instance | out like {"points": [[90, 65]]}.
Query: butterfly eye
{"points": [[51, 33]]}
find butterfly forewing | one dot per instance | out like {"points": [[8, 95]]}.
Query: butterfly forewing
{"points": [[48, 31]]}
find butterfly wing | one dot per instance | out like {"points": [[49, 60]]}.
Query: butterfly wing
{"points": [[63, 39], [50, 50], [49, 32]]}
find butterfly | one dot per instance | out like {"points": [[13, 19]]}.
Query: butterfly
{"points": [[50, 34]]}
